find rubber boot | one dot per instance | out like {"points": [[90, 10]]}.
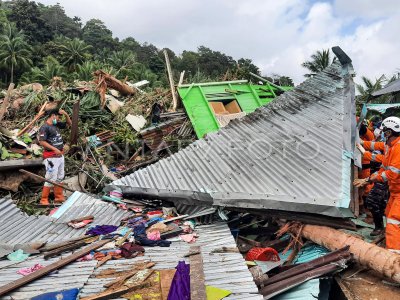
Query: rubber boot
{"points": [[58, 194], [45, 195], [378, 221]]}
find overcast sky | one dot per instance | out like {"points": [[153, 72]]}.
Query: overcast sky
{"points": [[278, 35]]}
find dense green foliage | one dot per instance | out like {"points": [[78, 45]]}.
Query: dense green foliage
{"points": [[39, 42]]}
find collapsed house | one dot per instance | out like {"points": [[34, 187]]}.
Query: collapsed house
{"points": [[292, 155], [220, 204]]}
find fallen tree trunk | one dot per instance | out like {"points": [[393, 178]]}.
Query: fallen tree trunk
{"points": [[113, 83], [376, 258]]}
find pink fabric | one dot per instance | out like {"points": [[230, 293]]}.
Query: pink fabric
{"points": [[188, 238], [154, 235], [80, 224], [53, 211], [29, 270], [87, 257], [123, 206]]}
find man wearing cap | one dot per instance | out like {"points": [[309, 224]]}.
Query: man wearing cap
{"points": [[51, 140]]}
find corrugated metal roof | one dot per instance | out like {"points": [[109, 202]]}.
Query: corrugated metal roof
{"points": [[74, 275], [293, 154], [224, 270], [392, 87], [17, 227]]}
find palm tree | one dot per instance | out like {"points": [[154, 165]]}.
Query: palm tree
{"points": [[74, 52], [121, 60], [85, 71], [319, 61], [14, 50], [51, 69], [368, 87]]}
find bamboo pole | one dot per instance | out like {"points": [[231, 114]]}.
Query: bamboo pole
{"points": [[37, 117], [46, 180], [171, 81]]}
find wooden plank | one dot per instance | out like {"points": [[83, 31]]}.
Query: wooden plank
{"points": [[46, 180], [166, 277], [53, 246], [62, 249], [6, 101], [197, 281], [75, 122], [37, 117], [81, 219], [171, 82], [115, 293], [50, 268]]}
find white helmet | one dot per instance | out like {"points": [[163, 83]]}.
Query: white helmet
{"points": [[392, 123]]}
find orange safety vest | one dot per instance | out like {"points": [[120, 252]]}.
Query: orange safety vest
{"points": [[390, 172]]}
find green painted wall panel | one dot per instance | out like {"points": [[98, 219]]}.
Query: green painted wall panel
{"points": [[196, 98]]}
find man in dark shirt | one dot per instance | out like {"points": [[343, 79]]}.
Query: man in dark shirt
{"points": [[51, 140]]}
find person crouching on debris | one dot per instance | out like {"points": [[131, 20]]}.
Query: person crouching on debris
{"points": [[50, 139], [390, 173]]}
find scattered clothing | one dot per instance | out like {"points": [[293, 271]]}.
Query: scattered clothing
{"points": [[141, 238], [18, 255], [132, 223], [29, 270], [81, 224], [180, 287], [101, 230], [154, 235], [87, 257], [116, 254], [188, 238], [64, 295], [161, 227], [122, 206], [154, 214], [129, 250]]}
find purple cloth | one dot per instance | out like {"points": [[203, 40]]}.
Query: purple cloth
{"points": [[101, 229], [132, 223], [180, 286]]}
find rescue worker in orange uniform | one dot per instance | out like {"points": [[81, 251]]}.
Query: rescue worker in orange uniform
{"points": [[377, 198], [365, 135], [390, 173]]}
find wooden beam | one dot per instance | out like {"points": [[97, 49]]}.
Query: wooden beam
{"points": [[37, 117], [75, 122], [115, 293], [62, 249], [46, 180], [197, 281], [171, 81], [6, 101], [53, 246], [267, 81], [50, 268]]}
